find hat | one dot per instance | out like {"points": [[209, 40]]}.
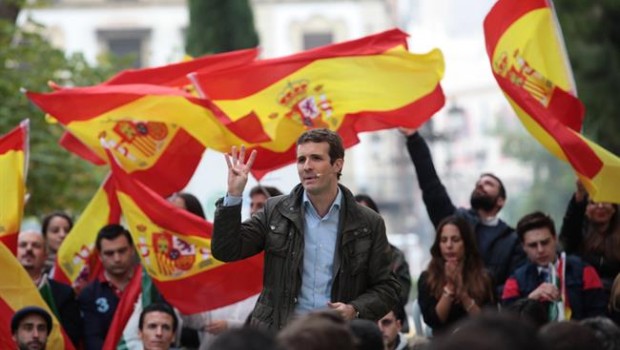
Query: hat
{"points": [[29, 310]]}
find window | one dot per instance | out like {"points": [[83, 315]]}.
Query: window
{"points": [[312, 40], [126, 43]]}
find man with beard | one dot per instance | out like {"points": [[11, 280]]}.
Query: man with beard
{"points": [[32, 254], [30, 328], [497, 242]]}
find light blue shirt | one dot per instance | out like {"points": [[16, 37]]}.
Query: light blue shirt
{"points": [[320, 236]]}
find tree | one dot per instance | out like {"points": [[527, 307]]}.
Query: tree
{"points": [[219, 26], [56, 179], [592, 35]]}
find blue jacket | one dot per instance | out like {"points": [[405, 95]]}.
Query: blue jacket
{"points": [[98, 302], [583, 287], [504, 254]]}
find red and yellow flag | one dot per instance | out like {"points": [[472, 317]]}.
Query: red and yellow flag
{"points": [[362, 85], [17, 291], [77, 262], [175, 75], [526, 53], [158, 133], [175, 248], [13, 171]]}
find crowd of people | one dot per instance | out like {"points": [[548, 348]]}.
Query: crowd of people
{"points": [[332, 280]]}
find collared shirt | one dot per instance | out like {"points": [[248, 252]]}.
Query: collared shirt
{"points": [[320, 235]]}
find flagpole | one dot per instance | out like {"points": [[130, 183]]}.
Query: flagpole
{"points": [[560, 37]]}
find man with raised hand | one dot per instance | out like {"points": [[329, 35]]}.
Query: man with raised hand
{"points": [[322, 249]]}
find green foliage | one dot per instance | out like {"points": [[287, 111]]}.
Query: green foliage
{"points": [[56, 178], [219, 26], [592, 35]]}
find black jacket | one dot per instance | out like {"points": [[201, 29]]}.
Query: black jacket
{"points": [[362, 275]]}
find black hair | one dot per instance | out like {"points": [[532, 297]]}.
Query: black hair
{"points": [[159, 307], [534, 221], [110, 232]]}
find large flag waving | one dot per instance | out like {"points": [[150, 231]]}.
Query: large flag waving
{"points": [[526, 53], [18, 291], [77, 262], [158, 133], [362, 85], [175, 249], [175, 75], [13, 170]]}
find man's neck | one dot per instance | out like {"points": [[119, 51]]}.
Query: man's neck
{"points": [[35, 275], [487, 215], [323, 201], [119, 281]]}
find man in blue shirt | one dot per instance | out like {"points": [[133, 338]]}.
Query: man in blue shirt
{"points": [[322, 249]]}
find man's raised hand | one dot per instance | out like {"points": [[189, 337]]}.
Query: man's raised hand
{"points": [[238, 170]]}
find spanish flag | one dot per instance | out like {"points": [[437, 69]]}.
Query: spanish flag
{"points": [[13, 171], [175, 248], [17, 291], [77, 261], [526, 52], [362, 85], [175, 75], [158, 133]]}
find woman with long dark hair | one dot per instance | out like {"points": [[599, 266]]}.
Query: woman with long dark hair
{"points": [[55, 228], [591, 230], [455, 283]]}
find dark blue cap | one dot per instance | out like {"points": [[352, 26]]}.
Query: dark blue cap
{"points": [[29, 310]]}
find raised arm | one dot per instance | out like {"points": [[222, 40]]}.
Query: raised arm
{"points": [[571, 233], [438, 203]]}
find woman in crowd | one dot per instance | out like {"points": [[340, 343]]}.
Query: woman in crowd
{"points": [[55, 228], [455, 283], [591, 230]]}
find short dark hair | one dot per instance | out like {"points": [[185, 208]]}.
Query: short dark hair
{"points": [[502, 188], [605, 330], [366, 198], [30, 310], [324, 330], [567, 335], [366, 334], [336, 149], [534, 221], [245, 339], [110, 232], [159, 307], [268, 191], [530, 310], [47, 219], [192, 204]]}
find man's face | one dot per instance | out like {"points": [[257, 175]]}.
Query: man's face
{"points": [[316, 173], [485, 195], [31, 251], [257, 202], [31, 333], [390, 327], [116, 255], [540, 246], [157, 331]]}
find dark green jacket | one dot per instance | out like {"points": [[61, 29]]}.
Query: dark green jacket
{"points": [[362, 275]]}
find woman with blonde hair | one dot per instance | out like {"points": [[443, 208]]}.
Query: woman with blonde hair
{"points": [[455, 283]]}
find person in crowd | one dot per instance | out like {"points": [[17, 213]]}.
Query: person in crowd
{"points": [[157, 326], [100, 298], [259, 195], [613, 310], [455, 283], [366, 335], [318, 330], [189, 202], [607, 332], [322, 249], [30, 328], [55, 228], [568, 335], [591, 230], [489, 331], [497, 242], [531, 311], [31, 254], [391, 327], [543, 275], [209, 324], [399, 263], [245, 339]]}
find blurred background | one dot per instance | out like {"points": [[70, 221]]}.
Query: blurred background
{"points": [[82, 42]]}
